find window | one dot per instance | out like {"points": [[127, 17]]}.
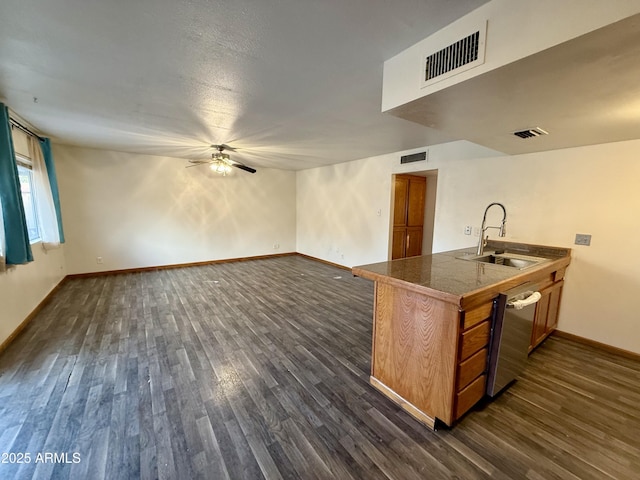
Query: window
{"points": [[25, 175]]}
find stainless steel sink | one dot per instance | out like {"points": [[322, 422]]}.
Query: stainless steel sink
{"points": [[513, 260]]}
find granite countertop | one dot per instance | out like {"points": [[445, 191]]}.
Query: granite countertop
{"points": [[446, 275]]}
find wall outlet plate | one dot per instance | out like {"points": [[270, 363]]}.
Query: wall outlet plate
{"points": [[467, 230], [583, 239]]}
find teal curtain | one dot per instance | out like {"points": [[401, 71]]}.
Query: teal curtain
{"points": [[18, 249], [53, 181]]}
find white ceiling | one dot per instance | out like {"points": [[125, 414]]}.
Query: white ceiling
{"points": [[292, 83]]}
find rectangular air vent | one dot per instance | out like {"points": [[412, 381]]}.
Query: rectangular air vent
{"points": [[530, 132], [414, 157], [457, 57]]}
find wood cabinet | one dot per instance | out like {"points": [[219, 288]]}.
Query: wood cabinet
{"points": [[473, 355], [431, 358], [432, 325], [428, 356], [546, 317], [408, 215]]}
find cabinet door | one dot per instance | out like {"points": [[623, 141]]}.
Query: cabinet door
{"points": [[398, 243], [415, 201], [408, 215], [414, 242], [554, 306], [540, 319], [546, 316], [401, 191]]}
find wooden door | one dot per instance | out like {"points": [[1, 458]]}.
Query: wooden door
{"points": [[408, 215]]}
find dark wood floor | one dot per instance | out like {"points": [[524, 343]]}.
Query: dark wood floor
{"points": [[260, 369]]}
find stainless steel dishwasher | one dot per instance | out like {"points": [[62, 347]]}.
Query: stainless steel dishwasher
{"points": [[511, 334]]}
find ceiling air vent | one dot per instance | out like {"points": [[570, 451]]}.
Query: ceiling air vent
{"points": [[457, 57], [414, 157], [531, 132]]}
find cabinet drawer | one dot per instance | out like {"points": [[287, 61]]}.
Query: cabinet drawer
{"points": [[477, 315], [471, 368], [468, 397], [474, 339]]}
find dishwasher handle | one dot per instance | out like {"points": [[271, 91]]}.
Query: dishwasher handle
{"points": [[520, 304]]}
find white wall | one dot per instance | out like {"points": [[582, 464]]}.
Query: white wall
{"points": [[430, 213], [140, 210], [337, 217], [549, 196]]}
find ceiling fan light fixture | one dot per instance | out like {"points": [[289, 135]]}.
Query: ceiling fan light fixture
{"points": [[220, 166], [221, 162], [220, 156]]}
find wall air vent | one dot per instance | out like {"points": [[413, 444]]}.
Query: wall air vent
{"points": [[414, 157], [531, 132], [466, 53]]}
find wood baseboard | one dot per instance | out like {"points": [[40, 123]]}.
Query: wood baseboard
{"points": [[408, 407], [31, 316], [176, 265], [326, 262], [601, 346]]}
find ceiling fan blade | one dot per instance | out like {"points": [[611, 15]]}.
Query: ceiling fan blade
{"points": [[222, 147], [198, 164], [244, 167]]}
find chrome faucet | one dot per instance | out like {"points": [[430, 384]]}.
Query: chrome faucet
{"points": [[503, 230]]}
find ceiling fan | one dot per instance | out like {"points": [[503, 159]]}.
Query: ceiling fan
{"points": [[221, 162]]}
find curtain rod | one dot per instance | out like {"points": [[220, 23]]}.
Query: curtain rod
{"points": [[16, 123]]}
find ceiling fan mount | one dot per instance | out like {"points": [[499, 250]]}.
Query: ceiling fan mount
{"points": [[221, 162]]}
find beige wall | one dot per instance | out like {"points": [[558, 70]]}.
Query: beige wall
{"points": [[23, 288], [549, 196], [140, 210]]}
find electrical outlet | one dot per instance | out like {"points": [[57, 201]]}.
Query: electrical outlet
{"points": [[379, 212], [467, 230], [99, 260], [583, 239], [276, 246]]}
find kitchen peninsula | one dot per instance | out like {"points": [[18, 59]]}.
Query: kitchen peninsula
{"points": [[432, 323]]}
